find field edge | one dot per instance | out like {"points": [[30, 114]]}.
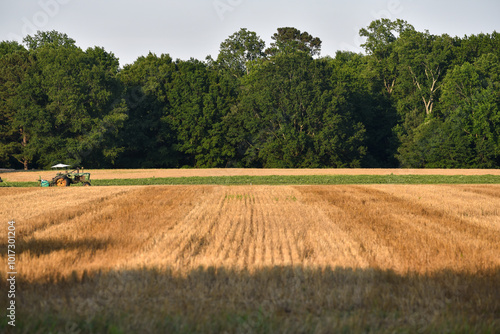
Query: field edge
{"points": [[288, 180]]}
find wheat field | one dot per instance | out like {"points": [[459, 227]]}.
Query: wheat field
{"points": [[291, 259]]}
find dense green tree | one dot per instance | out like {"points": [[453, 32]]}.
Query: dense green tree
{"points": [[49, 38], [414, 100], [19, 113], [290, 40], [82, 101], [200, 98], [471, 96], [423, 62], [437, 143], [147, 136], [65, 103], [240, 48], [7, 48], [381, 36], [295, 118], [469, 48], [369, 104], [467, 133]]}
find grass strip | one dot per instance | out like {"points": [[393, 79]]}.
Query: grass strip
{"points": [[6, 184], [308, 180], [290, 180]]}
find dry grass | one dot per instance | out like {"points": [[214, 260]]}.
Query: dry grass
{"points": [[257, 258], [105, 174]]}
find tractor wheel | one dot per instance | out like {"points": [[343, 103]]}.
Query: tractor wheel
{"points": [[86, 184], [63, 182]]}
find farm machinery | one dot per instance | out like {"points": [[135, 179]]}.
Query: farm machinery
{"points": [[67, 178]]}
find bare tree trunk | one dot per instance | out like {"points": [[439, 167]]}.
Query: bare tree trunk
{"points": [[431, 76], [24, 143], [389, 87]]}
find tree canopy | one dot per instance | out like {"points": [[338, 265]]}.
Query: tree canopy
{"points": [[290, 40], [414, 99]]}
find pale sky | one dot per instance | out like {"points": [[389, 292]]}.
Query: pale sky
{"points": [[195, 28]]}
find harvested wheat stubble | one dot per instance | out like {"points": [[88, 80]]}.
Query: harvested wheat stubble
{"points": [[236, 258], [106, 174]]}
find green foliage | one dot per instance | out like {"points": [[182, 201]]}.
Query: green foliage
{"points": [[290, 40], [415, 100], [296, 116], [49, 38], [200, 98], [445, 120], [369, 104], [18, 112], [240, 48], [147, 136], [7, 48], [467, 132], [63, 104]]}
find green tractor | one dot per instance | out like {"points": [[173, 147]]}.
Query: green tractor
{"points": [[65, 179]]}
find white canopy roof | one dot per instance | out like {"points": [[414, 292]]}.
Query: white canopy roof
{"points": [[60, 166]]}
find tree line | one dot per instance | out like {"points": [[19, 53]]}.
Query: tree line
{"points": [[412, 100]]}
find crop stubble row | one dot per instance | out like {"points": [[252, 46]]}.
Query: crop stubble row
{"points": [[402, 228], [314, 258]]}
